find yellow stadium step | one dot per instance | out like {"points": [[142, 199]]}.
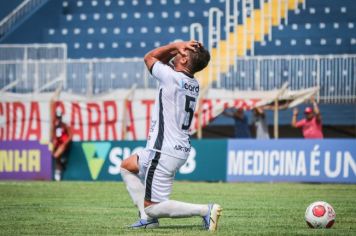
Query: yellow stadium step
{"points": [[275, 20], [250, 37], [240, 47], [219, 61], [266, 12], [284, 5], [258, 22], [203, 77], [214, 63], [241, 39], [233, 47], [224, 64], [291, 4]]}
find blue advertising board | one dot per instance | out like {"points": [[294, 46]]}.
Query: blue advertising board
{"points": [[233, 160], [327, 160], [101, 160]]}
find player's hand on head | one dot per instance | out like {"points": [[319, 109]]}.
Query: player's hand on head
{"points": [[193, 45], [189, 45]]}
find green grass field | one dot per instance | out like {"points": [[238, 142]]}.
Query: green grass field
{"points": [[104, 208]]}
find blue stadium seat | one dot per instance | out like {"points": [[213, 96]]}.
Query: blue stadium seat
{"points": [[118, 28], [324, 27], [7, 8]]}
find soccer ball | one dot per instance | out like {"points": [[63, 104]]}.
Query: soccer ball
{"points": [[320, 215]]}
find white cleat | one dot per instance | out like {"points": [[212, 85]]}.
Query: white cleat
{"points": [[145, 224], [211, 219]]}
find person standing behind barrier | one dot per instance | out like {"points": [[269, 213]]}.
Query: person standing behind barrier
{"points": [[260, 123], [311, 124], [61, 136], [242, 130]]}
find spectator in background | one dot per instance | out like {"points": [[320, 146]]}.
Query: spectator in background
{"points": [[311, 124], [260, 123], [241, 127], [61, 136]]}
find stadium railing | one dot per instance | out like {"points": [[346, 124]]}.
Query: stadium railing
{"points": [[29, 68], [18, 15], [333, 74], [38, 68]]}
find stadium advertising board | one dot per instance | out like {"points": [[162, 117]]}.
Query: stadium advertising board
{"points": [[101, 160], [328, 160], [25, 160], [26, 118]]}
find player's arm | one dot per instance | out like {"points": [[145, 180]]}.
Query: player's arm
{"points": [[316, 109], [165, 53], [70, 133], [52, 111], [52, 117], [260, 111]]}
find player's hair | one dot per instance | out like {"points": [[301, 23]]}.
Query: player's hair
{"points": [[198, 60]]}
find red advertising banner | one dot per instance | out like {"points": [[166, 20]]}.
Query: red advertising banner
{"points": [[95, 120]]}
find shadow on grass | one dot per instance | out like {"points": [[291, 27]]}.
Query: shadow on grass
{"points": [[165, 227], [180, 227]]}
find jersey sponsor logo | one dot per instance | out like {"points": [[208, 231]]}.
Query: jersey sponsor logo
{"points": [[181, 148], [192, 88]]}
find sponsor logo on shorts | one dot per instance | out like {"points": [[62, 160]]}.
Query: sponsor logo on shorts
{"points": [[181, 148], [153, 125]]}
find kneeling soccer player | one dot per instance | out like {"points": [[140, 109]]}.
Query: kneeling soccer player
{"points": [[149, 174]]}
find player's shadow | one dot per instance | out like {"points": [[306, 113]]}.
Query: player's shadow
{"points": [[179, 227], [165, 227]]}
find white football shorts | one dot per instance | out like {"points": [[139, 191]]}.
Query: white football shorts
{"points": [[157, 170]]}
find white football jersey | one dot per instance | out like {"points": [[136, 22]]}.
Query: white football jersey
{"points": [[173, 111]]}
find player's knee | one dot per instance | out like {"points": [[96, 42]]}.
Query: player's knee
{"points": [[148, 203], [130, 164], [124, 164]]}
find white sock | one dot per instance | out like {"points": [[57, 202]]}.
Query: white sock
{"points": [[57, 175], [136, 190], [175, 209]]}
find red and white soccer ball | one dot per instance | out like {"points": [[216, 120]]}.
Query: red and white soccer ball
{"points": [[320, 215]]}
